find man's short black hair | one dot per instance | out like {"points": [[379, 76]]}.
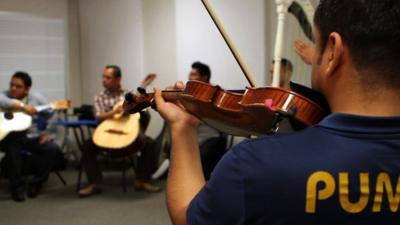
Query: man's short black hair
{"points": [[24, 76], [116, 70], [371, 31], [286, 63], [203, 69]]}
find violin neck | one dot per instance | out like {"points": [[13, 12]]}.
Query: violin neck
{"points": [[168, 95], [134, 104], [171, 95]]}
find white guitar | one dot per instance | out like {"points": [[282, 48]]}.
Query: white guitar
{"points": [[18, 121]]}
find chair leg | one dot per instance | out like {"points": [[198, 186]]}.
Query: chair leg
{"points": [[133, 163], [124, 175], [78, 183], [61, 178]]}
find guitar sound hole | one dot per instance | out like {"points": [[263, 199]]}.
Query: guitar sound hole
{"points": [[9, 115]]}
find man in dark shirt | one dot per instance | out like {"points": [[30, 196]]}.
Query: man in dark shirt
{"points": [[344, 170], [212, 142]]}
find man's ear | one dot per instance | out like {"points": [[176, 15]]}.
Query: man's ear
{"points": [[334, 53]]}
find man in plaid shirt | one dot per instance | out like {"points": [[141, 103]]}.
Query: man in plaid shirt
{"points": [[104, 109]]}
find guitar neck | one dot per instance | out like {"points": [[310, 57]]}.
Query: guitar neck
{"points": [[57, 105], [41, 108]]}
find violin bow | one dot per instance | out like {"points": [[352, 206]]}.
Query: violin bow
{"points": [[228, 41]]}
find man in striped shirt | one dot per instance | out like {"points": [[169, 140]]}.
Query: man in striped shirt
{"points": [[104, 109]]}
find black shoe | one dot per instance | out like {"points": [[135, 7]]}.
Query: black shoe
{"points": [[18, 195], [34, 189]]}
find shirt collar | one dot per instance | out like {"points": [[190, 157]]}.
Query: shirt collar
{"points": [[108, 92], [361, 124], [24, 100]]}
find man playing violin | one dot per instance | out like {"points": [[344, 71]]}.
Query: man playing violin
{"points": [[344, 170], [34, 143], [104, 109]]}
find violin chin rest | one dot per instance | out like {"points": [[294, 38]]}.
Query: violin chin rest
{"points": [[268, 104]]}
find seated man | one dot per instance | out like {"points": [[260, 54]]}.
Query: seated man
{"points": [[103, 107], [286, 72], [35, 142], [212, 142]]}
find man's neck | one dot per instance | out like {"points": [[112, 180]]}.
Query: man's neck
{"points": [[115, 90], [382, 102], [20, 98]]}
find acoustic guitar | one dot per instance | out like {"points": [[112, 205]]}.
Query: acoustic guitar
{"points": [[11, 121], [121, 135], [117, 132]]}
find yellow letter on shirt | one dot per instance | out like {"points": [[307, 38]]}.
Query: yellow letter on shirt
{"points": [[344, 193], [383, 182], [326, 192]]}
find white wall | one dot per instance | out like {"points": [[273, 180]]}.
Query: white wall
{"points": [[74, 84], [66, 11], [34, 39], [43, 8], [197, 38], [111, 33], [159, 49], [160, 40]]}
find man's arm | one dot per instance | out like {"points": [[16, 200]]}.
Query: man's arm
{"points": [[304, 50], [7, 103], [108, 115], [185, 178], [45, 127], [99, 109]]}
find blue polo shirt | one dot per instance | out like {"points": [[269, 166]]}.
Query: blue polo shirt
{"points": [[345, 170]]}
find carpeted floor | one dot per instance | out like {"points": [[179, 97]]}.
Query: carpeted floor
{"points": [[59, 205]]}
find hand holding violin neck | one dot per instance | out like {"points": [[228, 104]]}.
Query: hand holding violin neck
{"points": [[135, 103]]}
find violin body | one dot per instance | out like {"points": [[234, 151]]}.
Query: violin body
{"points": [[246, 114], [255, 112]]}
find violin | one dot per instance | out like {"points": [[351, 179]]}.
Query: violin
{"points": [[254, 111]]}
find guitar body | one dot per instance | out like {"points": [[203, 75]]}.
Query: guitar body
{"points": [[120, 136], [13, 121]]}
